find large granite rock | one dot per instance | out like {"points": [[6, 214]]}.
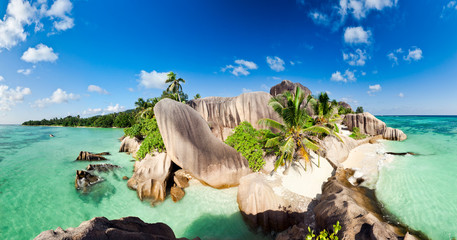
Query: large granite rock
{"points": [[100, 228], [130, 145], [336, 151], [344, 104], [287, 85], [264, 203], [191, 145], [355, 208], [225, 113], [150, 177], [369, 124]]}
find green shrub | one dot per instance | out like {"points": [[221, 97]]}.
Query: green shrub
{"points": [[149, 130], [343, 110], [249, 142], [359, 110], [133, 131], [356, 134], [153, 142], [324, 235]]}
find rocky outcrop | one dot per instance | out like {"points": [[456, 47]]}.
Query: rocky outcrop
{"points": [[191, 145], [130, 145], [344, 104], [181, 178], [287, 85], [176, 193], [225, 113], [150, 177], [369, 124], [101, 167], [101, 228], [355, 208], [264, 203], [337, 151], [88, 156], [85, 179]]}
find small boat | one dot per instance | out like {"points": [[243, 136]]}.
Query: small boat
{"points": [[51, 135]]}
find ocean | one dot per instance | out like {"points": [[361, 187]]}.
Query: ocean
{"points": [[421, 190], [37, 192]]}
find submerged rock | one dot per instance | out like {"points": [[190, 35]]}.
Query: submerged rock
{"points": [[85, 179], [88, 156], [191, 145], [101, 167], [103, 229], [150, 177]]}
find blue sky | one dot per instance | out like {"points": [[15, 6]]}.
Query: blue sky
{"points": [[91, 57]]}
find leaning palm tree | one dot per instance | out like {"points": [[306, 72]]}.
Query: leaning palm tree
{"points": [[175, 86], [324, 110], [297, 135]]}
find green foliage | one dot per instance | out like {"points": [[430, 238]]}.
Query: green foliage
{"points": [[343, 110], [356, 134], [153, 142], [197, 96], [123, 119], [250, 143], [149, 130], [359, 110], [175, 86], [324, 235]]}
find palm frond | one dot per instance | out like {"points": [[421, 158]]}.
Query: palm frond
{"points": [[271, 123]]}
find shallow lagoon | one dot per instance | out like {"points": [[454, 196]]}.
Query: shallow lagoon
{"points": [[37, 188]]}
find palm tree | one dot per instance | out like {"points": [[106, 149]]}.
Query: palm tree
{"points": [[141, 104], [175, 86], [297, 135], [324, 110], [197, 96]]}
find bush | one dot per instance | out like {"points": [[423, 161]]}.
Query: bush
{"points": [[249, 142], [324, 235], [356, 134], [149, 130], [359, 110], [153, 142], [343, 110]]}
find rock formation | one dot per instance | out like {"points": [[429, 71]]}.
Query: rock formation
{"points": [[369, 124], [225, 113], [85, 179], [101, 228], [355, 208], [344, 104], [176, 193], [150, 177], [130, 145], [101, 167], [191, 145], [287, 85], [88, 156], [336, 151], [264, 203]]}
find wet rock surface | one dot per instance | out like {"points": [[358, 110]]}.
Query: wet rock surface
{"points": [[88, 156], [100, 228], [85, 179], [102, 167]]}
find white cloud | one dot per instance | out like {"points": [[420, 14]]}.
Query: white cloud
{"points": [[242, 67], [26, 72], [277, 78], [356, 35], [131, 90], [347, 76], [373, 89], [114, 108], [450, 7], [361, 8], [276, 63], [95, 88], [18, 14], [355, 59], [392, 57], [41, 53], [60, 11], [350, 101], [2, 79], [319, 18], [414, 54], [363, 73], [246, 90], [10, 97], [153, 79], [58, 96], [401, 95], [92, 111]]}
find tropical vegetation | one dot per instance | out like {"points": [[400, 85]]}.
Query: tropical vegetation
{"points": [[356, 134], [297, 134], [175, 84], [359, 110], [251, 144], [324, 234], [326, 113]]}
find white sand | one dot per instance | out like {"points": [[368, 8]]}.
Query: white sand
{"points": [[306, 183], [366, 160]]}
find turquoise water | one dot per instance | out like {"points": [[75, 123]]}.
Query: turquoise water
{"points": [[421, 191], [37, 190]]}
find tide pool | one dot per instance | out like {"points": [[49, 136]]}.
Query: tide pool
{"points": [[37, 190], [421, 190]]}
